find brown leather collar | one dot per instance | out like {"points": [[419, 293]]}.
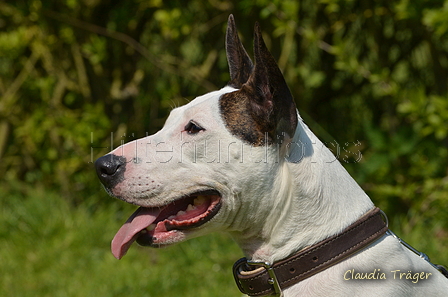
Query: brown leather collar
{"points": [[270, 279]]}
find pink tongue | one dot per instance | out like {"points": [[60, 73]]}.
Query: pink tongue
{"points": [[139, 220]]}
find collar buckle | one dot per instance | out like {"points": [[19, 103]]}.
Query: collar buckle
{"points": [[272, 277]]}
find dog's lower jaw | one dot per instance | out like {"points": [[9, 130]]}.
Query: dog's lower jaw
{"points": [[165, 239], [169, 223]]}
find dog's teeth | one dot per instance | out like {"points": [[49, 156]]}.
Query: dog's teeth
{"points": [[191, 207], [171, 217], [181, 212], [199, 200]]}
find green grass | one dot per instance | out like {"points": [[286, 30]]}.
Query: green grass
{"points": [[51, 248]]}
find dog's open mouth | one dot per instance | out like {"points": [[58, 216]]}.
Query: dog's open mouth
{"points": [[149, 226]]}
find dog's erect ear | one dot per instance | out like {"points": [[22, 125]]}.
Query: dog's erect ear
{"points": [[262, 111], [240, 64], [271, 100]]}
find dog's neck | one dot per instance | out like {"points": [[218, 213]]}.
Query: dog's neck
{"points": [[312, 198]]}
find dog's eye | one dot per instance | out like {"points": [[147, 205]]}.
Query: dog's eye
{"points": [[193, 128]]}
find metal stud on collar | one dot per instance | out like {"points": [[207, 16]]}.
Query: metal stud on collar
{"points": [[386, 220], [272, 277]]}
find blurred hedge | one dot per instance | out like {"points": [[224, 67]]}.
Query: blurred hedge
{"points": [[369, 77]]}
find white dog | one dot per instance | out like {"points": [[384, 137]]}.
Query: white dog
{"points": [[241, 160]]}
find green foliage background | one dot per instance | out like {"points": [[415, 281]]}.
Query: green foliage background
{"points": [[79, 76]]}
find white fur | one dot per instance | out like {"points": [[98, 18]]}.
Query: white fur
{"points": [[276, 200]]}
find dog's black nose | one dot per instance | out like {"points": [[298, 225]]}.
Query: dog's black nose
{"points": [[110, 169]]}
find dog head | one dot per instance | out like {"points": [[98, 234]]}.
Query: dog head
{"points": [[194, 176]]}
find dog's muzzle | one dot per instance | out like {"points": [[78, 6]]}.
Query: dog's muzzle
{"points": [[110, 169]]}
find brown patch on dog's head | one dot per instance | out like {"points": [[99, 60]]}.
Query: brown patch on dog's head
{"points": [[263, 109], [235, 110]]}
